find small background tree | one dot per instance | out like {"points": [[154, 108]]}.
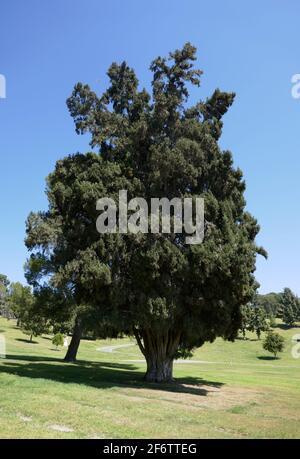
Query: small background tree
{"points": [[273, 343], [4, 299], [32, 326], [254, 319], [23, 305], [290, 307], [58, 340], [272, 322], [246, 313], [257, 322]]}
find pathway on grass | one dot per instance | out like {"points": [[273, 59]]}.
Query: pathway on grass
{"points": [[113, 348], [261, 365]]}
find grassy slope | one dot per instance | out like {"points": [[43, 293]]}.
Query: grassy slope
{"points": [[236, 391]]}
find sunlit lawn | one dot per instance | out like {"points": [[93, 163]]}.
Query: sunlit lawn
{"points": [[232, 390]]}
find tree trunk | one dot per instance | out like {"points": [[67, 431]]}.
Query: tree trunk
{"points": [[74, 344], [159, 351], [159, 370], [258, 333]]}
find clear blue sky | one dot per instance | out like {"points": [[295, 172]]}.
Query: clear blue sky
{"points": [[251, 48]]}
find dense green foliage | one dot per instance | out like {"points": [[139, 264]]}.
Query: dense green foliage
{"points": [[58, 340], [23, 305], [4, 296], [254, 319], [270, 302], [258, 322], [171, 296], [245, 317], [273, 343], [289, 307]]}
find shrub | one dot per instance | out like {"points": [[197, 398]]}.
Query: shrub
{"points": [[273, 343], [58, 340]]}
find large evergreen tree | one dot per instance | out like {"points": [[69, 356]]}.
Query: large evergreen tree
{"points": [[171, 296]]}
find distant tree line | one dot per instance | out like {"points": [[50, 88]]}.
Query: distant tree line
{"points": [[18, 302], [37, 314], [260, 315]]}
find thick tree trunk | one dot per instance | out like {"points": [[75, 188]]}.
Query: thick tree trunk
{"points": [[159, 351], [74, 344], [159, 369]]}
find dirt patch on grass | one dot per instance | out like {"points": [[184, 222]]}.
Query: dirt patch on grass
{"points": [[60, 428], [194, 397], [25, 418]]}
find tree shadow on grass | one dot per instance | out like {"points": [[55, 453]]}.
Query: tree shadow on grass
{"points": [[286, 327], [267, 357], [27, 341], [240, 338], [102, 375], [32, 358]]}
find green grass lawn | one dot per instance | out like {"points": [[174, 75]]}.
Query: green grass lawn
{"points": [[228, 390]]}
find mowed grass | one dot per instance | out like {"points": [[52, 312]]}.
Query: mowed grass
{"points": [[228, 390]]}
